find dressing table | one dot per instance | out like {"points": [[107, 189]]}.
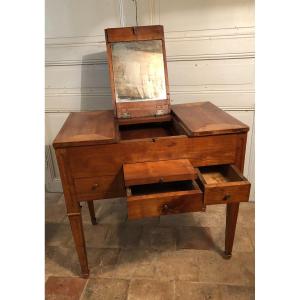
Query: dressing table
{"points": [[161, 158]]}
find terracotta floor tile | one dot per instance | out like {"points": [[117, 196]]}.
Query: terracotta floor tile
{"points": [[187, 219], [242, 240], [185, 290], [238, 292], [251, 232], [194, 238], [57, 234], [61, 261], [106, 264], [246, 216], [144, 271], [123, 236], [55, 212], [86, 219], [150, 289], [52, 197], [153, 221], [106, 289], [158, 238], [64, 288], [177, 265], [239, 270], [95, 235], [215, 215], [112, 213], [135, 263]]}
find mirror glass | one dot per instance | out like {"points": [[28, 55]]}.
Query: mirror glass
{"points": [[138, 69]]}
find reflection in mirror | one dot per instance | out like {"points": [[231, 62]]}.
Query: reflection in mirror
{"points": [[138, 69]]}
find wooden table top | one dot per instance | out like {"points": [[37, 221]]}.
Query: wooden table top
{"points": [[100, 127], [204, 118], [92, 127]]}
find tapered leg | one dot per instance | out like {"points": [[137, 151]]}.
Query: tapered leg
{"points": [[73, 210], [231, 218], [78, 236], [92, 212]]}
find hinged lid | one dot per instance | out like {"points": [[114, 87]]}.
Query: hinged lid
{"points": [[158, 171], [138, 71]]}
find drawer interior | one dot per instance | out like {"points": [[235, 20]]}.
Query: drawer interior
{"points": [[223, 184], [220, 174], [164, 187]]}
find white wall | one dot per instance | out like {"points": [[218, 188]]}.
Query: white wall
{"points": [[210, 53]]}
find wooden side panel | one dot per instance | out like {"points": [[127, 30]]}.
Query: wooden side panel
{"points": [[90, 161]]}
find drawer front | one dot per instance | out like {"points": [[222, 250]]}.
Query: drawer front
{"points": [[93, 161], [99, 187], [223, 184], [164, 204], [228, 194]]}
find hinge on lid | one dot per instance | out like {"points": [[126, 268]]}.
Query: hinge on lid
{"points": [[125, 115], [160, 112]]}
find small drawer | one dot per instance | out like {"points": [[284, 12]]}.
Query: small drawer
{"points": [[223, 184], [150, 200], [93, 188]]}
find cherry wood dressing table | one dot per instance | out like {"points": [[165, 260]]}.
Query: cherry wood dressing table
{"points": [[162, 159]]}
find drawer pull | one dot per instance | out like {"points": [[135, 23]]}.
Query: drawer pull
{"points": [[95, 186], [165, 208], [227, 197]]}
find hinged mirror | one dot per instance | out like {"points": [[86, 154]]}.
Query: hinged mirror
{"points": [[138, 71]]}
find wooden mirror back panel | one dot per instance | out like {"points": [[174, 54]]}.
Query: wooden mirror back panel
{"points": [[138, 71]]}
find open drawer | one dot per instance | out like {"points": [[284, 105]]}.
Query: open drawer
{"points": [[150, 200], [223, 184], [161, 188]]}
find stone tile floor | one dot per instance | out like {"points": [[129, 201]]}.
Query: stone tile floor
{"points": [[171, 257]]}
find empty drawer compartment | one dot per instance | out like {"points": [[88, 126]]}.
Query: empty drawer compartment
{"points": [[150, 200], [223, 184]]}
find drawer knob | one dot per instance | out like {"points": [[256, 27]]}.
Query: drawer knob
{"points": [[95, 186], [226, 197], [165, 207]]}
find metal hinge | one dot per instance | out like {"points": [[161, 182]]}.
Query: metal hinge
{"points": [[125, 115]]}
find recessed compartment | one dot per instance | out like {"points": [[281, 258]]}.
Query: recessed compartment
{"points": [[150, 200], [147, 130], [223, 184]]}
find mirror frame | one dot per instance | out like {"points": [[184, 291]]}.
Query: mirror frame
{"points": [[137, 109]]}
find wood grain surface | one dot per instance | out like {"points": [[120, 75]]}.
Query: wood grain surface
{"points": [[204, 118], [81, 128], [158, 171]]}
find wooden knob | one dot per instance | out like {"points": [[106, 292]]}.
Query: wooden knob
{"points": [[94, 186], [227, 197], [165, 207]]}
